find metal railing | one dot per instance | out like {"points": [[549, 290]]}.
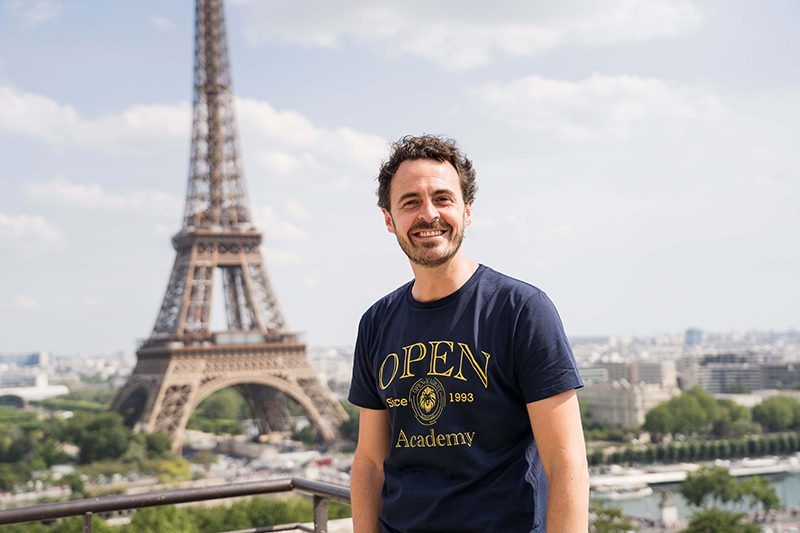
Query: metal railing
{"points": [[321, 492]]}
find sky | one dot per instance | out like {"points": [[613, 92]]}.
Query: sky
{"points": [[637, 159]]}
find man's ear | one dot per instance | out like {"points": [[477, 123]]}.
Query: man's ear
{"points": [[468, 214], [387, 219]]}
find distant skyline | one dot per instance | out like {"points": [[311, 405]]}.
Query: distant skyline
{"points": [[637, 160]]}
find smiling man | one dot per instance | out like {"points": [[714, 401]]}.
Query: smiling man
{"points": [[464, 377]]}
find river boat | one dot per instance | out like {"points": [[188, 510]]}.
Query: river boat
{"points": [[627, 492]]}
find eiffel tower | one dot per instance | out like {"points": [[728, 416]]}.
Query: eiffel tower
{"points": [[184, 361]]}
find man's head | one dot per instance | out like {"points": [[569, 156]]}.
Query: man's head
{"points": [[429, 188], [433, 147]]}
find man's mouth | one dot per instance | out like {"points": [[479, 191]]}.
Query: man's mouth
{"points": [[429, 233]]}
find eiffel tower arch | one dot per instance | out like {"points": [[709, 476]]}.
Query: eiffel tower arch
{"points": [[184, 361]]}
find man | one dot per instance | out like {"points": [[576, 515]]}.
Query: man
{"points": [[454, 374]]}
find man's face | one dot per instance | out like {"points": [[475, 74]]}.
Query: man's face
{"points": [[426, 212]]}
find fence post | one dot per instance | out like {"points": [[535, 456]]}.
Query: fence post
{"points": [[87, 522], [320, 514]]}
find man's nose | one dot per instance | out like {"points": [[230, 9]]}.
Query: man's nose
{"points": [[428, 212]]}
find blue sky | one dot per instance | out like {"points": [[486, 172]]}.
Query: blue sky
{"points": [[636, 159]]}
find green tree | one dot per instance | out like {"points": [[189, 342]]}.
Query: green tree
{"points": [[99, 436], [221, 412], [759, 492], [778, 413], [609, 520], [76, 486], [170, 471], [265, 511], [716, 521], [708, 484], [349, 428], [29, 527], [225, 404], [158, 445], [165, 519], [11, 475], [692, 412], [732, 420], [75, 523], [660, 419], [236, 517]]}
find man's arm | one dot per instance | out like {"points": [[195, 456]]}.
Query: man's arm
{"points": [[556, 425], [366, 476]]}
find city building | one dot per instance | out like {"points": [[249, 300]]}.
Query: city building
{"points": [[730, 372], [660, 372], [24, 377], [781, 375], [693, 337], [623, 404]]}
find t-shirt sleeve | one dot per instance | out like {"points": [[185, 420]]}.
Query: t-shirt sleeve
{"points": [[544, 361], [363, 388]]}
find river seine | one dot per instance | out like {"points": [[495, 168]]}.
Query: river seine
{"points": [[786, 485]]}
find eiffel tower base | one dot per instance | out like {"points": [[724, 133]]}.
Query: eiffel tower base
{"points": [[171, 380]]}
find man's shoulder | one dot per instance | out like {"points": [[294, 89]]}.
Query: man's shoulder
{"points": [[508, 287]]}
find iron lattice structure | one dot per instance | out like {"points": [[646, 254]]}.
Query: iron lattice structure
{"points": [[184, 361]]}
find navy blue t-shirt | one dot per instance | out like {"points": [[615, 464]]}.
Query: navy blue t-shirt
{"points": [[455, 375]]}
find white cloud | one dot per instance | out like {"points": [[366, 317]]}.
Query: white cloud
{"points": [[276, 226], [33, 12], [20, 227], [473, 34], [164, 230], [29, 233], [599, 107], [138, 129], [23, 301], [281, 257], [92, 196], [296, 209], [282, 143], [287, 144], [161, 23]]}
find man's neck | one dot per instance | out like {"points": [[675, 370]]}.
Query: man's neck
{"points": [[434, 283]]}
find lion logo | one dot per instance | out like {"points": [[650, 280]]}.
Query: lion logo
{"points": [[427, 398]]}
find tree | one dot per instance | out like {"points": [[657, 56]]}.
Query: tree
{"points": [[221, 412], [693, 413], [732, 420], [225, 404], [659, 419], [99, 436], [609, 520], [717, 520], [11, 476], [165, 519], [690, 413], [778, 413], [75, 523], [76, 486], [158, 445], [349, 428], [759, 492], [709, 484]]}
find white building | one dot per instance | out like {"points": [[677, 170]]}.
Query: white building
{"points": [[622, 404]]}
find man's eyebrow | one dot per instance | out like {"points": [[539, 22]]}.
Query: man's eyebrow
{"points": [[416, 194], [407, 195]]}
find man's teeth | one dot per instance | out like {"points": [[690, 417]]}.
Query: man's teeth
{"points": [[431, 233]]}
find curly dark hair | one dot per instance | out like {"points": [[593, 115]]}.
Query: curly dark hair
{"points": [[434, 147]]}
